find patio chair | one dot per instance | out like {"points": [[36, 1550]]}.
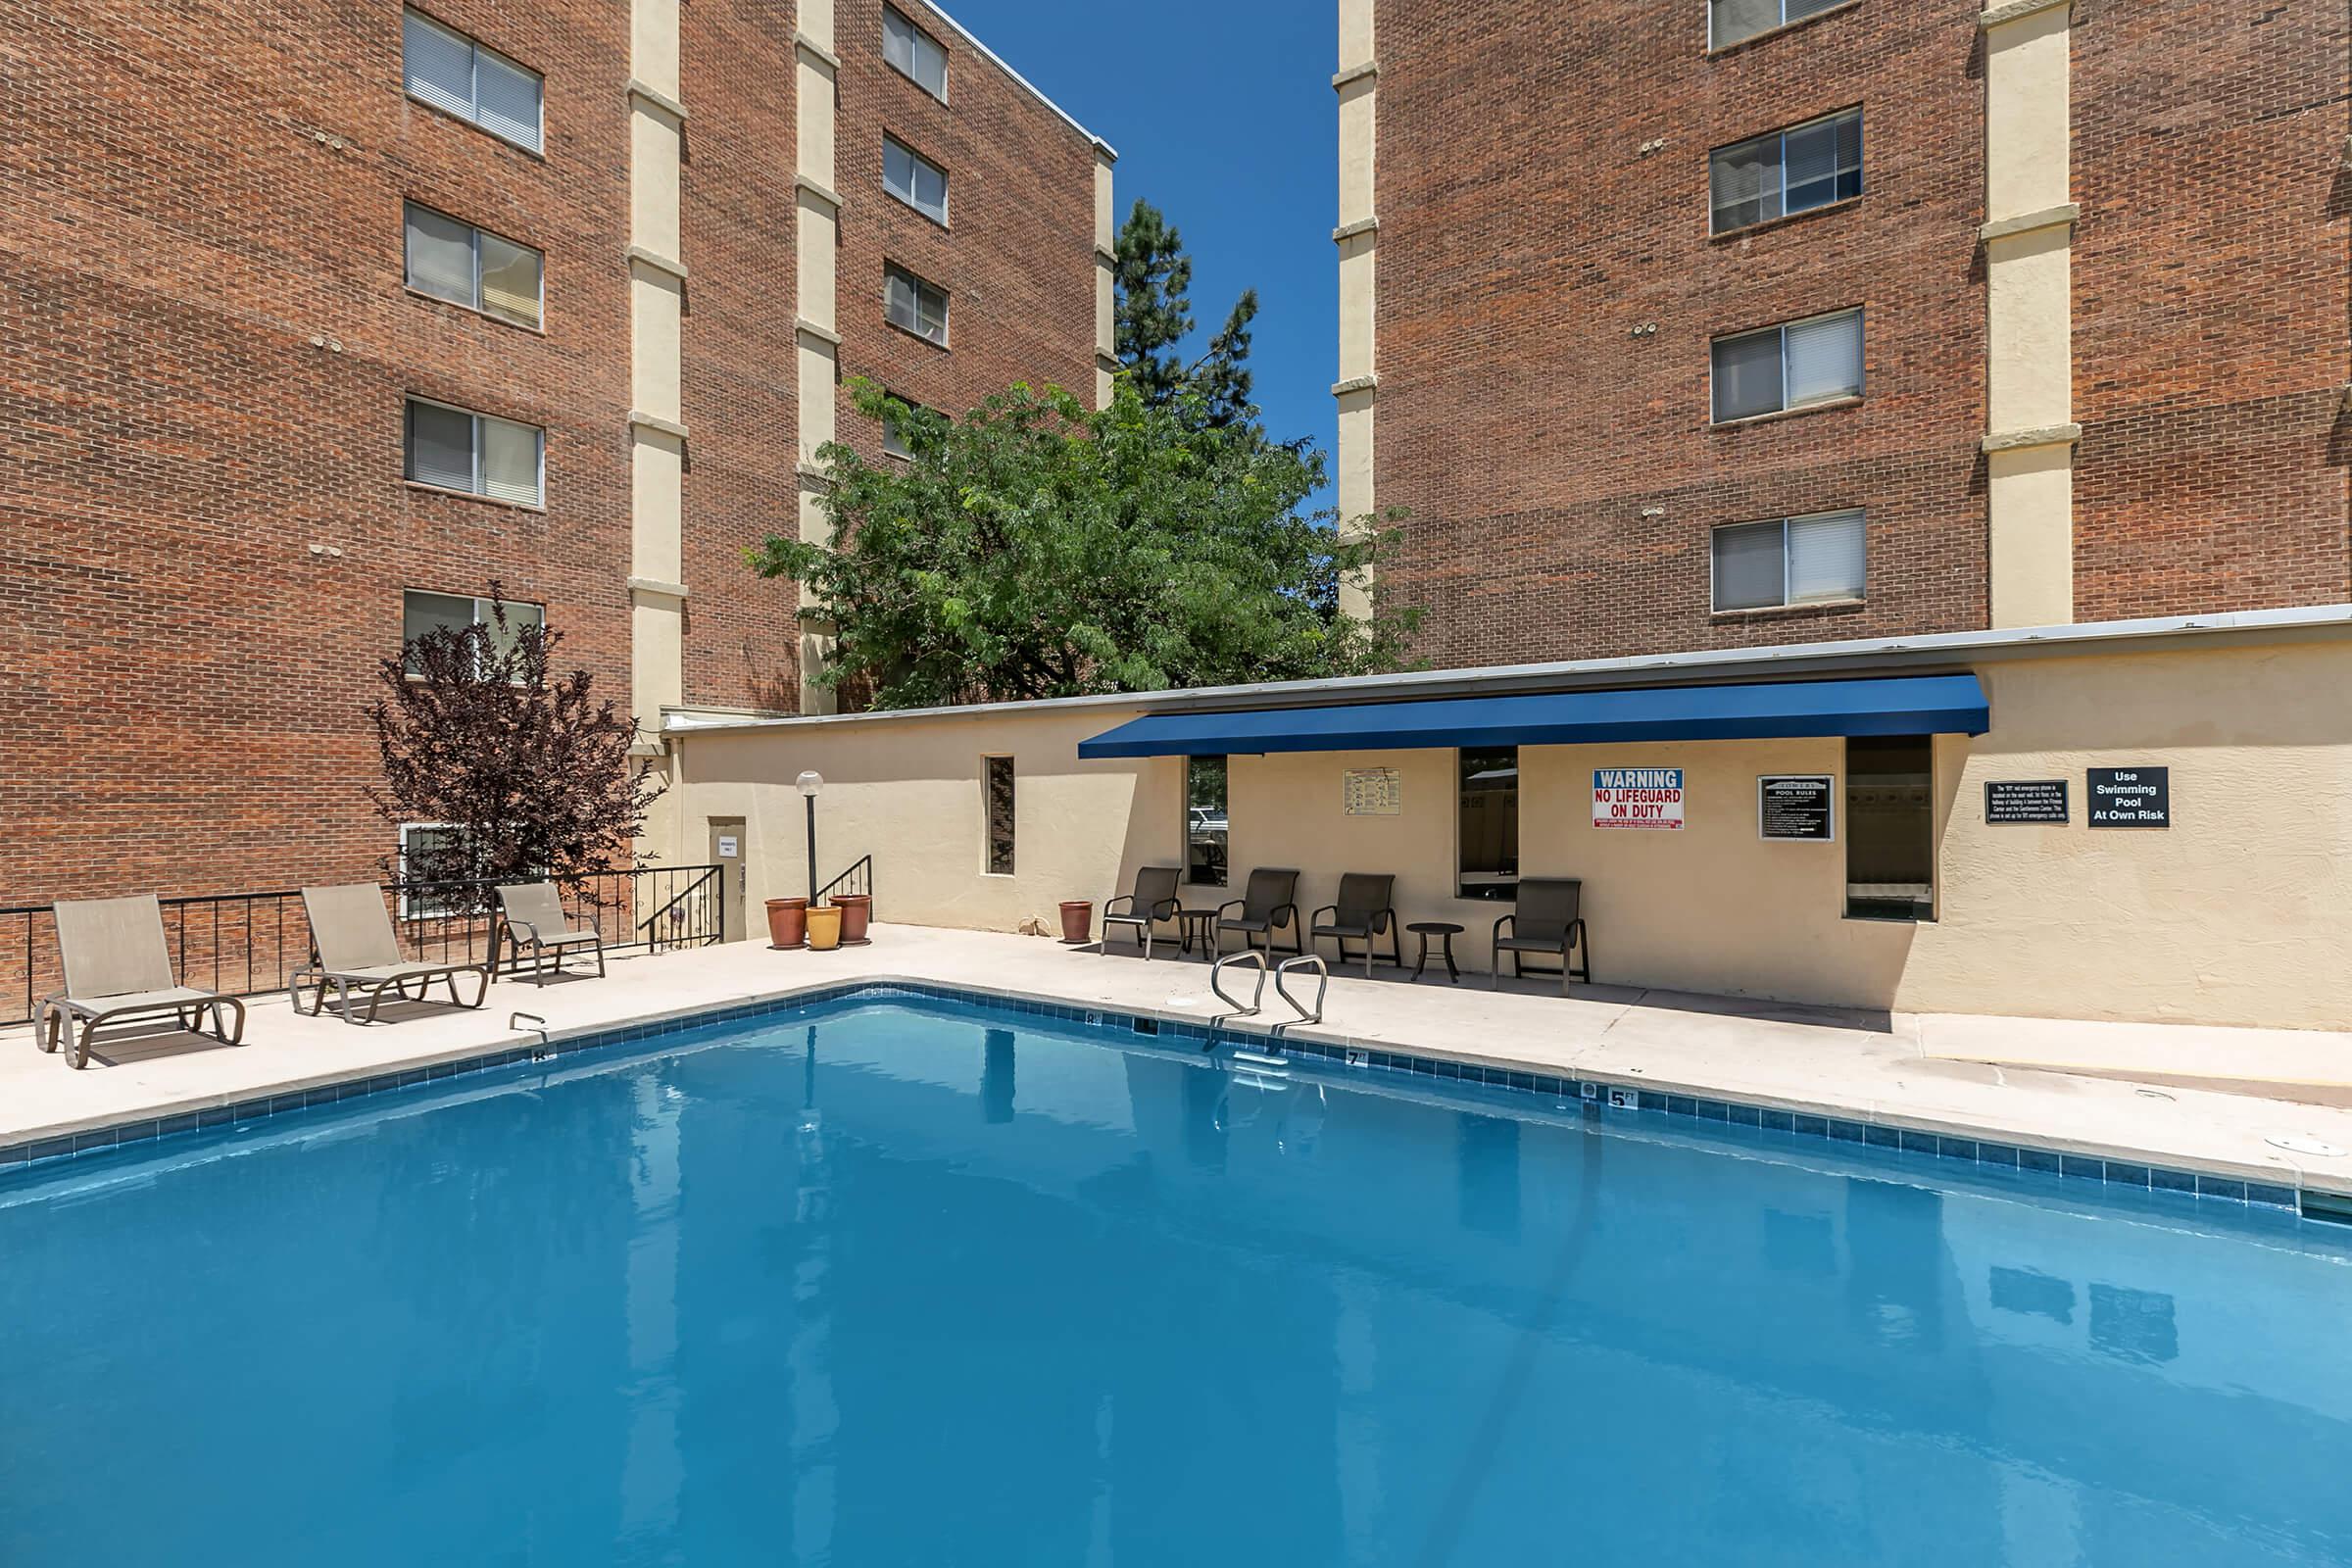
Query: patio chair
{"points": [[1270, 904], [531, 915], [354, 947], [118, 969], [1153, 899], [1363, 913], [1548, 920]]}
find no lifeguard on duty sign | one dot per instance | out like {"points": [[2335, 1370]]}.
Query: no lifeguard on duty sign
{"points": [[1637, 796]]}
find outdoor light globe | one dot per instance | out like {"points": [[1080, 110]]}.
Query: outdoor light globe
{"points": [[811, 782]]}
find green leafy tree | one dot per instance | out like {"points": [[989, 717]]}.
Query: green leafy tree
{"points": [[1036, 548], [1154, 318]]}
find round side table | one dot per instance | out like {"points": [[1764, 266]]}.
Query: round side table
{"points": [[1447, 931]]}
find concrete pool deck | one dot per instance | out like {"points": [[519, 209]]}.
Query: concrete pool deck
{"points": [[2121, 1094]]}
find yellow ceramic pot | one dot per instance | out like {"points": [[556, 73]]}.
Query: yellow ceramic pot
{"points": [[824, 927]]}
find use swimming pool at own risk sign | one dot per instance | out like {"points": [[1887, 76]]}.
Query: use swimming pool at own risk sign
{"points": [[1637, 796]]}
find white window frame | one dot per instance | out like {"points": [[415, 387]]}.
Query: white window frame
{"points": [[893, 444], [476, 49], [906, 198], [920, 282], [477, 492], [1853, 113], [1861, 365], [1715, 607], [920, 35], [475, 233]]}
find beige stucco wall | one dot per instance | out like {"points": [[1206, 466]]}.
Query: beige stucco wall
{"points": [[2238, 915], [2030, 520], [657, 478], [909, 793]]}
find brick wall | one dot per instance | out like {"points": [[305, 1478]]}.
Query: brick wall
{"points": [[201, 290], [736, 222], [1017, 254], [1524, 236], [2213, 307]]}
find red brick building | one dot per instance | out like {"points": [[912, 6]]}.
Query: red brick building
{"points": [[323, 320], [2057, 293]]}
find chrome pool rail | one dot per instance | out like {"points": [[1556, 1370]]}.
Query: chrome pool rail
{"points": [[1280, 971], [1256, 997], [1304, 960]]}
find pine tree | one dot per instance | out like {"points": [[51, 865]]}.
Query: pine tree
{"points": [[1155, 317]]}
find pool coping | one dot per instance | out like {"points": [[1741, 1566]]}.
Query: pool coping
{"points": [[1958, 1140]]}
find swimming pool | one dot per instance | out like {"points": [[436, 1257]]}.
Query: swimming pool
{"points": [[920, 1282]]}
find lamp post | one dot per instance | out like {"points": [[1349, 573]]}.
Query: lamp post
{"points": [[811, 782]]}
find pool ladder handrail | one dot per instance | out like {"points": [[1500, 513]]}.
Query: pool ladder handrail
{"points": [[1307, 960]]}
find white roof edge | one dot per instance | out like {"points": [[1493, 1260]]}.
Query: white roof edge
{"points": [[1922, 649], [1028, 86]]}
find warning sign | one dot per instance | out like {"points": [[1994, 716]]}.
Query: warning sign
{"points": [[1637, 796]]}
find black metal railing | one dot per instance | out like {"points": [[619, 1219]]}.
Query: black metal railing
{"points": [[857, 879], [247, 943]]}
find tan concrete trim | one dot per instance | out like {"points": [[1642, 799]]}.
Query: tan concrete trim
{"points": [[639, 420], [820, 333], [1347, 231], [656, 588], [1356, 383], [1106, 255], [2344, 402], [815, 50], [659, 263], [654, 97], [812, 477], [2016, 11], [823, 193], [2049, 435], [1110, 362], [2028, 222], [648, 750], [1355, 74]]}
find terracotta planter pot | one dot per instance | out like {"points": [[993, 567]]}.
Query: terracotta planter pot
{"points": [[824, 928], [857, 913], [1077, 920], [787, 921]]}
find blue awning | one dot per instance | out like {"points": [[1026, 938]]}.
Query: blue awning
{"points": [[1915, 705]]}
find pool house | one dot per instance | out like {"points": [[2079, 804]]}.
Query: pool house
{"points": [[2140, 821]]}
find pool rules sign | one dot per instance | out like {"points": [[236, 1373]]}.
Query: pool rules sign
{"points": [[1637, 796]]}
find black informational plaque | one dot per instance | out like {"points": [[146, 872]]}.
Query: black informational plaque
{"points": [[2025, 800], [1796, 806], [2131, 797]]}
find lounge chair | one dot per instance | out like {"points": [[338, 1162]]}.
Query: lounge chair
{"points": [[531, 915], [1363, 913], [1154, 900], [117, 966], [353, 948], [1270, 904], [1549, 919]]}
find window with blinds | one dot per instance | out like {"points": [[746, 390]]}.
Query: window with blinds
{"points": [[1780, 367], [478, 454], [1785, 172], [1788, 561], [913, 53], [455, 262], [459, 76], [423, 614], [1731, 22], [915, 179], [920, 307]]}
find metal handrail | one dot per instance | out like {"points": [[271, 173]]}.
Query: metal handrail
{"points": [[863, 863], [690, 888], [1322, 987], [1257, 996]]}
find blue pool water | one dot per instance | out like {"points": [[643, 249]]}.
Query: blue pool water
{"points": [[921, 1283]]}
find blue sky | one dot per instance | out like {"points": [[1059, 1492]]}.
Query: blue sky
{"points": [[1224, 118]]}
